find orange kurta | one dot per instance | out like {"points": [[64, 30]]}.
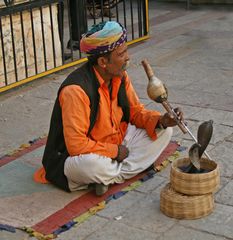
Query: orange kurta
{"points": [[108, 131]]}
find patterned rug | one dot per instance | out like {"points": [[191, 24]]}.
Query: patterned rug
{"points": [[26, 205]]}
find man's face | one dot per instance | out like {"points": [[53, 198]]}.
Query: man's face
{"points": [[118, 61]]}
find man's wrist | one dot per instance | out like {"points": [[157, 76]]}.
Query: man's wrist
{"points": [[115, 158]]}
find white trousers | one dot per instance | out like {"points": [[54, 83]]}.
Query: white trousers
{"points": [[93, 168]]}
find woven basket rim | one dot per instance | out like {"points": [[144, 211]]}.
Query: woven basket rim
{"points": [[174, 165], [171, 192]]}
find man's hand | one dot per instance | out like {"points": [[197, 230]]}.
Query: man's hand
{"points": [[168, 120], [123, 153]]}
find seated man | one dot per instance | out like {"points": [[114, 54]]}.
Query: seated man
{"points": [[100, 133]]}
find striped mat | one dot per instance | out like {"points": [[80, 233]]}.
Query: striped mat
{"points": [[26, 205]]}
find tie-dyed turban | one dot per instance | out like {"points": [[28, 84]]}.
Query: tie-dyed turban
{"points": [[103, 37]]}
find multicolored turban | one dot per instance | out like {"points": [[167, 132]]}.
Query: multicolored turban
{"points": [[103, 37]]}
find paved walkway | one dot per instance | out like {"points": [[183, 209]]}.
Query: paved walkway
{"points": [[192, 53]]}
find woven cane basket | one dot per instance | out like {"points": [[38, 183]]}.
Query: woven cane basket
{"points": [[180, 206], [195, 184]]}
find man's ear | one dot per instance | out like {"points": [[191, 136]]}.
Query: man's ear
{"points": [[102, 61]]}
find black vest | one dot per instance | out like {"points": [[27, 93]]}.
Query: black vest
{"points": [[56, 152]]}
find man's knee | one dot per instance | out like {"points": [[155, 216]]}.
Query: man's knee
{"points": [[169, 132], [165, 133]]}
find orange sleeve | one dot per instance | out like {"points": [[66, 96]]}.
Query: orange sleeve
{"points": [[139, 116], [75, 105]]}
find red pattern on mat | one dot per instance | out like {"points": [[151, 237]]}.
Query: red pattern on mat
{"points": [[78, 207], [9, 158], [88, 200]]}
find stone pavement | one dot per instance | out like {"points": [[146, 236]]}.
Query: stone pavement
{"points": [[192, 53]]}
